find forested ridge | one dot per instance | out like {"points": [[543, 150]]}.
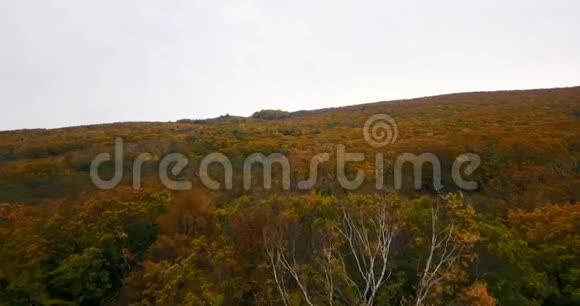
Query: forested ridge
{"points": [[513, 241]]}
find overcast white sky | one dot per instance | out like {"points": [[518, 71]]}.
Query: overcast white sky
{"points": [[74, 62]]}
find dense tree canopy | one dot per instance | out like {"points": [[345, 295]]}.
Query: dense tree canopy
{"points": [[513, 241]]}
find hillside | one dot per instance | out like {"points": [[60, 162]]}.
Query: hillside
{"points": [[528, 140], [161, 246]]}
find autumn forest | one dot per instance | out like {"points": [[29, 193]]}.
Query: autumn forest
{"points": [[513, 240]]}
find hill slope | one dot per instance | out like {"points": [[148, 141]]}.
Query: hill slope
{"points": [[529, 143]]}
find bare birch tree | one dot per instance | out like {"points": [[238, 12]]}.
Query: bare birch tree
{"points": [[282, 263], [368, 233], [448, 244], [364, 231]]}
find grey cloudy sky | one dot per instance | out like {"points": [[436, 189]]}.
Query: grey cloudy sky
{"points": [[73, 62]]}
